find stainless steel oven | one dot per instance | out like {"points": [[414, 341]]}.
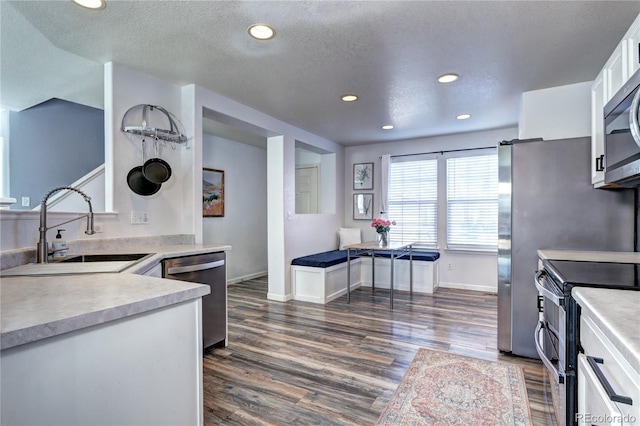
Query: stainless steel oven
{"points": [[557, 335], [550, 339]]}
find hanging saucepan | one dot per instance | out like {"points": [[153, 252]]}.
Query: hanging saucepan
{"points": [[139, 183], [156, 169]]}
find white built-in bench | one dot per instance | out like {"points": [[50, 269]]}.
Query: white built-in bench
{"points": [[322, 277]]}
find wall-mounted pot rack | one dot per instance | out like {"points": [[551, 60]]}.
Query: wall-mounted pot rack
{"points": [[153, 121]]}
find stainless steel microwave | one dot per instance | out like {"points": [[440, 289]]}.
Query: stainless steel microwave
{"points": [[622, 136]]}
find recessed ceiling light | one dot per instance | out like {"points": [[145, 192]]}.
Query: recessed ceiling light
{"points": [[91, 4], [261, 32], [349, 98], [448, 78], [387, 127], [463, 116]]}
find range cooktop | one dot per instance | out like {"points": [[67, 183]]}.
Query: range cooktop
{"points": [[594, 274]]}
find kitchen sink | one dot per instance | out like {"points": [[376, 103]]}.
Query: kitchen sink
{"points": [[116, 257]]}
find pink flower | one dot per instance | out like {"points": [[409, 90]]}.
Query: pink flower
{"points": [[382, 225]]}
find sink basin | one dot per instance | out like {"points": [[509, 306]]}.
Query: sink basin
{"points": [[116, 257], [80, 264]]}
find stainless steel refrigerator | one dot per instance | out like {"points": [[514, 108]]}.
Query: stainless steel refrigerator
{"points": [[546, 201]]}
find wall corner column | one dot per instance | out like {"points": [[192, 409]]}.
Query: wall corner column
{"points": [[275, 218]]}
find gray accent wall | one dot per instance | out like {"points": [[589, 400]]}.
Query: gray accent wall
{"points": [[52, 144]]}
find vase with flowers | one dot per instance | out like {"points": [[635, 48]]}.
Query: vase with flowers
{"points": [[383, 227]]}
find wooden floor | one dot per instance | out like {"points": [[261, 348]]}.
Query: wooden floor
{"points": [[300, 363]]}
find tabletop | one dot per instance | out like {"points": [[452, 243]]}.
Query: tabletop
{"points": [[374, 245]]}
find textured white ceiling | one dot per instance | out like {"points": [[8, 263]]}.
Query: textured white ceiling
{"points": [[387, 52]]}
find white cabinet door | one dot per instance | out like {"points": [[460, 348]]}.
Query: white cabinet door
{"points": [[621, 378], [616, 71], [597, 130], [633, 46], [594, 406]]}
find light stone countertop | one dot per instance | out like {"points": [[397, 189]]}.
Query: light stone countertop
{"points": [[590, 256], [615, 312], [36, 307]]}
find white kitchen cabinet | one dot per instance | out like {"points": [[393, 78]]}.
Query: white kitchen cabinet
{"points": [[144, 369], [633, 46], [598, 90], [623, 62], [595, 404], [616, 71]]}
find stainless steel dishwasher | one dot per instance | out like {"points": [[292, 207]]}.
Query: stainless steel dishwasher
{"points": [[205, 269]]}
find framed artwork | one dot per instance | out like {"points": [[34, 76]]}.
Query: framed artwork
{"points": [[363, 176], [363, 206], [212, 193]]}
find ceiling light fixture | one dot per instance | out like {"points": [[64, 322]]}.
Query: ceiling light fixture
{"points": [[463, 116], [349, 98], [448, 78], [261, 32], [91, 4], [387, 127]]}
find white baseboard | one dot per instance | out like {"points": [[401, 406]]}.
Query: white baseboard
{"points": [[280, 297], [473, 287], [246, 277]]}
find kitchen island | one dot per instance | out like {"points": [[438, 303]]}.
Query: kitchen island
{"points": [[107, 348]]}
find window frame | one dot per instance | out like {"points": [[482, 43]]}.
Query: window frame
{"points": [[434, 203], [469, 246]]}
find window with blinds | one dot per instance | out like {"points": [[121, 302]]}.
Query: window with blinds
{"points": [[413, 200], [472, 202]]}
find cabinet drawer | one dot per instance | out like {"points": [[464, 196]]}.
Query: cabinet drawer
{"points": [[616, 370], [594, 406]]}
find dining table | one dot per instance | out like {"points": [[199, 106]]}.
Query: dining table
{"points": [[395, 250]]}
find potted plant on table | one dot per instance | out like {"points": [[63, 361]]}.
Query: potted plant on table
{"points": [[383, 227]]}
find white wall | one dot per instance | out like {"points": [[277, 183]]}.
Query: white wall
{"points": [[166, 212], [289, 235], [556, 113], [244, 225], [124, 88], [467, 270]]}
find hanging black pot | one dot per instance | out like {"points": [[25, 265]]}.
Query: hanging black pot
{"points": [[140, 184], [137, 180], [156, 169]]}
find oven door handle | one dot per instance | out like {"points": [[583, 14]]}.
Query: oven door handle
{"points": [[546, 361], [557, 300]]}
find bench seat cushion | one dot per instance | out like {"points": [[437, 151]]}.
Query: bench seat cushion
{"points": [[322, 260]]}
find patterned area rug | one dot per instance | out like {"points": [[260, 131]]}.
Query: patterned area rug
{"points": [[440, 388]]}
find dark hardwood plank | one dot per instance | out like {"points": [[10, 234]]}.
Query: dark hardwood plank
{"points": [[338, 364]]}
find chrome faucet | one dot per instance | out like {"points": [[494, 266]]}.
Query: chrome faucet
{"points": [[43, 246]]}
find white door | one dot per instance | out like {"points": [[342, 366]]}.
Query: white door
{"points": [[307, 190]]}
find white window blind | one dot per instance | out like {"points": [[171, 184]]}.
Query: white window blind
{"points": [[472, 202], [412, 201]]}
